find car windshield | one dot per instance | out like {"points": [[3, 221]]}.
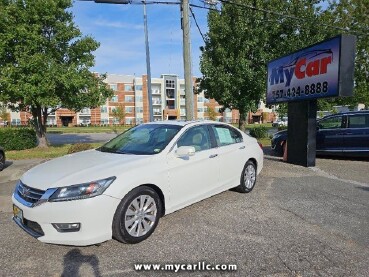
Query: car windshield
{"points": [[145, 139]]}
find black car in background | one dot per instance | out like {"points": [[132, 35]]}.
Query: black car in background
{"points": [[343, 134], [2, 158]]}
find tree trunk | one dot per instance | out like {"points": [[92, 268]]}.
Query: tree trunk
{"points": [[242, 121], [39, 124]]}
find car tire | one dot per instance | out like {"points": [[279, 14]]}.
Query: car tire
{"points": [[248, 178], [2, 160], [137, 215]]}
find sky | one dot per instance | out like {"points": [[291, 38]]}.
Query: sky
{"points": [[120, 31]]}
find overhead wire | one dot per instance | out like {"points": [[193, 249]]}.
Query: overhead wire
{"points": [[197, 25]]}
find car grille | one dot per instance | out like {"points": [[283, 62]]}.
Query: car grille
{"points": [[29, 194], [34, 226]]}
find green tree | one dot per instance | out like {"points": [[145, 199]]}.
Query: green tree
{"points": [[45, 61], [211, 113], [232, 59], [351, 15], [119, 113], [4, 114], [245, 35]]}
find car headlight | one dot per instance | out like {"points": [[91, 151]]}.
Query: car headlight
{"points": [[81, 191]]}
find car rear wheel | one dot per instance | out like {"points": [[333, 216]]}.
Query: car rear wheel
{"points": [[137, 215], [248, 178], [2, 160]]}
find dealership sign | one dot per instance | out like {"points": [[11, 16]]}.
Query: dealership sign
{"points": [[322, 70]]}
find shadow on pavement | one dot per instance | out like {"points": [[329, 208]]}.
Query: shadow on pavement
{"points": [[74, 259], [7, 164]]}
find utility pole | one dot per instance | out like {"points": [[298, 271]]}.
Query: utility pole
{"points": [[148, 68], [187, 60]]}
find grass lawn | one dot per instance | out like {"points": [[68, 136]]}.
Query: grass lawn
{"points": [[249, 126], [265, 141], [42, 153], [86, 130]]}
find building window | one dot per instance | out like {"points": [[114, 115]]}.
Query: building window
{"points": [[169, 84], [138, 87], [114, 98], [200, 110], [129, 109], [139, 110], [128, 88], [157, 111], [200, 99], [206, 100], [139, 120], [16, 122], [129, 121], [128, 98], [104, 121], [139, 98], [170, 93], [113, 87], [104, 109]]}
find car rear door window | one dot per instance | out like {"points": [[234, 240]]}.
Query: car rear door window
{"points": [[225, 135], [359, 121]]}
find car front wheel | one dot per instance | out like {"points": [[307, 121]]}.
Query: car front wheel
{"points": [[137, 215], [248, 178]]}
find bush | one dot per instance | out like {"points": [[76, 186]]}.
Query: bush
{"points": [[78, 147], [259, 132], [280, 128], [17, 138]]}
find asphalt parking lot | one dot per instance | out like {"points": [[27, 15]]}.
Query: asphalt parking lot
{"points": [[296, 222]]}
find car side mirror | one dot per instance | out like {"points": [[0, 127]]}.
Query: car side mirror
{"points": [[185, 151]]}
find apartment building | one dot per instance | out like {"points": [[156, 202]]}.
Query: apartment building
{"points": [[131, 96]]}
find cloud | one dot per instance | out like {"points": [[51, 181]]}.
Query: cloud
{"points": [[119, 29]]}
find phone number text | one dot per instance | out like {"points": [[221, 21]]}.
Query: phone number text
{"points": [[314, 88]]}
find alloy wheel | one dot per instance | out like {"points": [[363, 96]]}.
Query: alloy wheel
{"points": [[140, 216]]}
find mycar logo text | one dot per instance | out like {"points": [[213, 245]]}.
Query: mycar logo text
{"points": [[307, 74], [310, 64]]}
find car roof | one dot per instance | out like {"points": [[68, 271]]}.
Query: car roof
{"points": [[184, 122], [347, 113]]}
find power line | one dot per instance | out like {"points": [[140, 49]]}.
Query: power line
{"points": [[198, 27], [245, 6]]}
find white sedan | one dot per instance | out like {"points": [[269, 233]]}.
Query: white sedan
{"points": [[121, 189]]}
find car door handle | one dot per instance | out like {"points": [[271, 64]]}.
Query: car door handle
{"points": [[242, 147], [213, 156]]}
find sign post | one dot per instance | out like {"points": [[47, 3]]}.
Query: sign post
{"points": [[322, 70]]}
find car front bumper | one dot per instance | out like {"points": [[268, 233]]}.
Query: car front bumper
{"points": [[95, 216]]}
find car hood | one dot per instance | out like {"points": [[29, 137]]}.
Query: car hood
{"points": [[80, 168]]}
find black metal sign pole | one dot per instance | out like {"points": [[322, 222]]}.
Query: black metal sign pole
{"points": [[301, 146]]}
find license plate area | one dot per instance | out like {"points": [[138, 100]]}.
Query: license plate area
{"points": [[18, 213]]}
